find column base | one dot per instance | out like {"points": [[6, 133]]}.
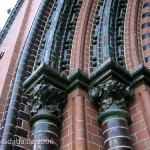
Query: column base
{"points": [[50, 117], [115, 113]]}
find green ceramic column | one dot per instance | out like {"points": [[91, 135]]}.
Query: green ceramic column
{"points": [[111, 100], [46, 104]]}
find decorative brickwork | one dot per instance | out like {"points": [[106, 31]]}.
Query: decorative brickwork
{"points": [[145, 32], [133, 48], [55, 48], [77, 53], [19, 123]]}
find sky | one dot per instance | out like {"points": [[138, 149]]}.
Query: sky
{"points": [[4, 5]]}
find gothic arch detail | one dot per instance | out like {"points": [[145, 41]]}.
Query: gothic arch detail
{"points": [[133, 46], [52, 43], [81, 66], [145, 24], [105, 38]]}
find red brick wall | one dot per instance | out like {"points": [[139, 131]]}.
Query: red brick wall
{"points": [[24, 112], [140, 113], [12, 45], [80, 129]]}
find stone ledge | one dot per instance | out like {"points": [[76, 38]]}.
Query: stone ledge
{"points": [[108, 70]]}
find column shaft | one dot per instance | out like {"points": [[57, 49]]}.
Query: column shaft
{"points": [[44, 135], [116, 134], [111, 99], [80, 136]]}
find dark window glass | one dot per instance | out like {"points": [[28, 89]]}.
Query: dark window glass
{"points": [[147, 46], [145, 25], [147, 58], [144, 15], [147, 14], [146, 5], [146, 35]]}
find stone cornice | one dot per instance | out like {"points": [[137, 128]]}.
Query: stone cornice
{"points": [[140, 74], [78, 79], [108, 70], [46, 73], [111, 70]]}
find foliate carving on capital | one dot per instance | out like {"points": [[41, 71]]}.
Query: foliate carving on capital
{"points": [[112, 93], [45, 98]]}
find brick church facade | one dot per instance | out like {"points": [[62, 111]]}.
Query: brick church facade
{"points": [[75, 74]]}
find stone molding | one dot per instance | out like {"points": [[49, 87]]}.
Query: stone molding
{"points": [[110, 69]]}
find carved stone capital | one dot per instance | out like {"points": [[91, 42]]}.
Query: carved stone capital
{"points": [[111, 95], [46, 99]]}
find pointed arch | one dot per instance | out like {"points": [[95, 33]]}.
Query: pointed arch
{"points": [[105, 34]]}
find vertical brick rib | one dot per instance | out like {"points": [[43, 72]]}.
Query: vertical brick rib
{"points": [[77, 54], [80, 136], [145, 105], [73, 133], [88, 36], [132, 34], [140, 113]]}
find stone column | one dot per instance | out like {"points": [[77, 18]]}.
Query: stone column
{"points": [[111, 100], [46, 104]]}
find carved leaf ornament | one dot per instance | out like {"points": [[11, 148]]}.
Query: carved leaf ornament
{"points": [[110, 93], [45, 96]]}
